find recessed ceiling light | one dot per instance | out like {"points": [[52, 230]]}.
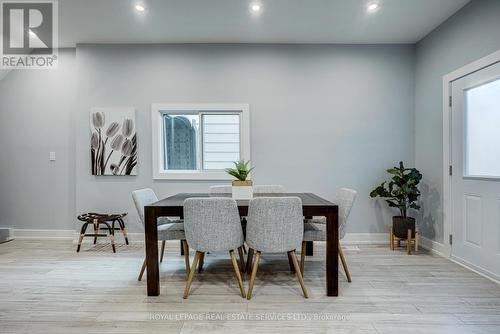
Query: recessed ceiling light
{"points": [[372, 7], [140, 8], [255, 7]]}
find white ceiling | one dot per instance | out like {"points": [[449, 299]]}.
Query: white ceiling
{"points": [[230, 21]]}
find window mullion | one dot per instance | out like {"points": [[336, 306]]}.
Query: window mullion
{"points": [[201, 152]]}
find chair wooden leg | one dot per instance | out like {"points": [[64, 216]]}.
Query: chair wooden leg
{"points": [[391, 238], [242, 258], [299, 275], [201, 262], [249, 261], [162, 250], [142, 270], [408, 243], [302, 257], [254, 273], [185, 249], [344, 264], [237, 271], [416, 241], [197, 258]]}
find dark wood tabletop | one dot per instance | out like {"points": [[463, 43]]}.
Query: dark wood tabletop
{"points": [[312, 205]]}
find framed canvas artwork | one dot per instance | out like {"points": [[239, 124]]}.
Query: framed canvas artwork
{"points": [[113, 141]]}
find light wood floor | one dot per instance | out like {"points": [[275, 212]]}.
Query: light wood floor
{"points": [[45, 287]]}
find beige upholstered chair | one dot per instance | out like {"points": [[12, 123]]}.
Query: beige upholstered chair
{"points": [[168, 228], [268, 189], [220, 189], [315, 229], [275, 225], [213, 225]]}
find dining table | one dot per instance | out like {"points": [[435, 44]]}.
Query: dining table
{"points": [[173, 206]]}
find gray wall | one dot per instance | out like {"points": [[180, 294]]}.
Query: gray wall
{"points": [[36, 117], [472, 33], [322, 117]]}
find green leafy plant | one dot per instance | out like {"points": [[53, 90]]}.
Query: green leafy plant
{"points": [[240, 171], [402, 190]]}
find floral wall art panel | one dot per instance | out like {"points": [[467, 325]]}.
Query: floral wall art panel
{"points": [[113, 141]]}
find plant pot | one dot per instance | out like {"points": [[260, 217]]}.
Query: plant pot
{"points": [[242, 189], [401, 225]]}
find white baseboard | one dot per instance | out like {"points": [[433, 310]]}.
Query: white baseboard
{"points": [[31, 234], [478, 270], [366, 239], [434, 247]]}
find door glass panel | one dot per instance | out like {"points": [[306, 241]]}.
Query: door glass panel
{"points": [[482, 126]]}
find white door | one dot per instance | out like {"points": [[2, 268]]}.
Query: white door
{"points": [[475, 183]]}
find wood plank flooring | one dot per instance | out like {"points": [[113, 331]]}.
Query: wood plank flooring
{"points": [[45, 287]]}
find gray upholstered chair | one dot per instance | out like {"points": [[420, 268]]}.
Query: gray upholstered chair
{"points": [[268, 189], [275, 225], [169, 228], [220, 189], [213, 225], [315, 229]]}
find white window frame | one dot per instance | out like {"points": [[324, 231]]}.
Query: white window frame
{"points": [[158, 110]]}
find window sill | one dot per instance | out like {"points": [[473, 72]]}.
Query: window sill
{"points": [[199, 176]]}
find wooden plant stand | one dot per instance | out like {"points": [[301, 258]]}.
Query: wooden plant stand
{"points": [[97, 219], [408, 240]]}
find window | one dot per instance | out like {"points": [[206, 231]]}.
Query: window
{"points": [[482, 119], [198, 141]]}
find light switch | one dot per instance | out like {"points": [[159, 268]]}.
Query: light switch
{"points": [[52, 156]]}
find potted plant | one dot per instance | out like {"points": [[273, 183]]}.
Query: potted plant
{"points": [[241, 187], [401, 192]]}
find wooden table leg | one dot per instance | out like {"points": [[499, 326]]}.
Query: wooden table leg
{"points": [[151, 235], [332, 252]]}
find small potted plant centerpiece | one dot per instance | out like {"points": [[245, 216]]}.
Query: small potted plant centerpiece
{"points": [[241, 187], [401, 192]]}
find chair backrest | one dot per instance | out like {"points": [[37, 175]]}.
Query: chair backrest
{"points": [[221, 189], [212, 224], [344, 199], [142, 198], [275, 224], [268, 189]]}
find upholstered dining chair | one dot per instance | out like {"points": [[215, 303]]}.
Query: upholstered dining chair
{"points": [[220, 189], [275, 225], [169, 228], [213, 225], [315, 229], [268, 189], [265, 189]]}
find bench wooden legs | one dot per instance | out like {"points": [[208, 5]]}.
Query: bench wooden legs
{"points": [[96, 233]]}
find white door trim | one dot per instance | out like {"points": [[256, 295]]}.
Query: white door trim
{"points": [[447, 80]]}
